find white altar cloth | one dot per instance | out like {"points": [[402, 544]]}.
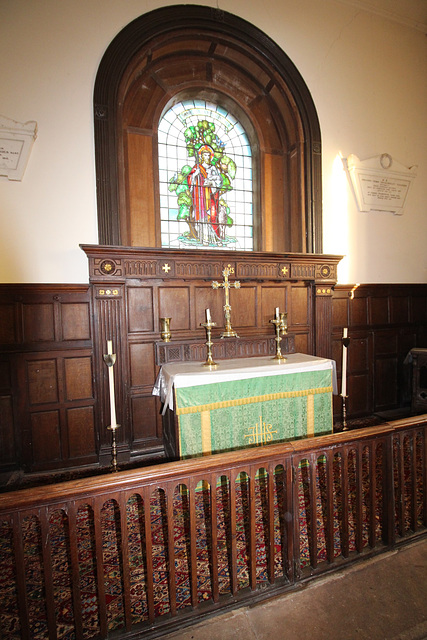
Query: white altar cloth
{"points": [[190, 374]]}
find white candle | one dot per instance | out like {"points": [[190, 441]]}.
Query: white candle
{"points": [[344, 366], [208, 315], [277, 313], [111, 386]]}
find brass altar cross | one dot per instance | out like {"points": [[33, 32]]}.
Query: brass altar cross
{"points": [[229, 331]]}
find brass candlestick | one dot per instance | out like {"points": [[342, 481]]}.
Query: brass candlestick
{"points": [[113, 429], [165, 330], [209, 360], [344, 413], [281, 325]]}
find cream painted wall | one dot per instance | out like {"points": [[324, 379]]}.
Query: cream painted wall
{"points": [[367, 76]]}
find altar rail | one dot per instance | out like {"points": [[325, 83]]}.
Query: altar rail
{"points": [[147, 550]]}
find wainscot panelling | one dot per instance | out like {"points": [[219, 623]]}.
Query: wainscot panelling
{"points": [[384, 323], [8, 441], [48, 415], [54, 394]]}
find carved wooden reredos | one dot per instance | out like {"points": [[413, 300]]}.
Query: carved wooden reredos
{"points": [[167, 55], [133, 288]]}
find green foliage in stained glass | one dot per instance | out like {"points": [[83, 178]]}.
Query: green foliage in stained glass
{"points": [[200, 189]]}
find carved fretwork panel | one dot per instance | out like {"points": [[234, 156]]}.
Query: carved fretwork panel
{"points": [[193, 351]]}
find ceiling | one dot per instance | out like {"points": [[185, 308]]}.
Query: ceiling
{"points": [[412, 13]]}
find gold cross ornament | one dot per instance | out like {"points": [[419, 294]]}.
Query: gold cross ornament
{"points": [[229, 331]]}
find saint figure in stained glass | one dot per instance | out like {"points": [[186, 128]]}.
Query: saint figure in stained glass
{"points": [[204, 182], [201, 205], [207, 202]]}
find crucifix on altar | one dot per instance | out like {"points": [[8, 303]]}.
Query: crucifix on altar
{"points": [[229, 331]]}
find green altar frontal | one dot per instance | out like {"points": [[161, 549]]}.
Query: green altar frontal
{"points": [[253, 411]]}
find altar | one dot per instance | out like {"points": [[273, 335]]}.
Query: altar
{"points": [[244, 402]]}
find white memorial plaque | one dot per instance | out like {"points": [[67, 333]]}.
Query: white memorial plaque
{"points": [[380, 183], [16, 141]]}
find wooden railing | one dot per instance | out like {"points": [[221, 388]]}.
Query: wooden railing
{"points": [[143, 551]]}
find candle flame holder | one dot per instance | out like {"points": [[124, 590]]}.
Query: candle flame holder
{"points": [[209, 360]]}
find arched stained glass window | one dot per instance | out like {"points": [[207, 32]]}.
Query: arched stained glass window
{"points": [[205, 178]]}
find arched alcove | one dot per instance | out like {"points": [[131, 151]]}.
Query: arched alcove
{"points": [[184, 51]]}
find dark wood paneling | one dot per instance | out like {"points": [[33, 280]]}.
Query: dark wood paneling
{"points": [[418, 308], [244, 303], [146, 422], [141, 364], [361, 396], [386, 343], [42, 382], [340, 312], [140, 309], [44, 370], [301, 343], [359, 356], [358, 308], [45, 437], [81, 432], [5, 375], [7, 432], [299, 306], [385, 322], [272, 297], [399, 309], [174, 302], [385, 383], [55, 392], [75, 321], [39, 324], [379, 310], [7, 324], [78, 378], [207, 298]]}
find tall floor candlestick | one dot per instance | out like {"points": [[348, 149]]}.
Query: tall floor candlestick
{"points": [[345, 343], [110, 360]]}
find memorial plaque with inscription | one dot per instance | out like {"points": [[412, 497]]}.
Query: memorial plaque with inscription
{"points": [[380, 184]]}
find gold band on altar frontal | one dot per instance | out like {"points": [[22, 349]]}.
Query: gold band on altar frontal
{"points": [[223, 404]]}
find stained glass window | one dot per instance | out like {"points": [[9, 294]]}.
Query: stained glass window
{"points": [[205, 177]]}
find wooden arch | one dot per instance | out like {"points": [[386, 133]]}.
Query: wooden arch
{"points": [[182, 51]]}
